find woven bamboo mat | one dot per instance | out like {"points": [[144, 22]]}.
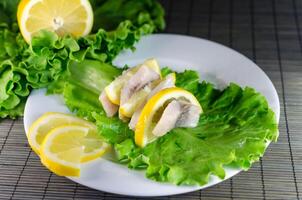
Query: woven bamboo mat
{"points": [[266, 31]]}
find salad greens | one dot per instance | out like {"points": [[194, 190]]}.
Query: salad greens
{"points": [[108, 14], [8, 10], [42, 64], [234, 130]]}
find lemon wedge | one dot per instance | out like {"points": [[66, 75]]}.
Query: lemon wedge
{"points": [[136, 100], [113, 90], [66, 147], [48, 121], [94, 146], [63, 17], [149, 115], [152, 64]]}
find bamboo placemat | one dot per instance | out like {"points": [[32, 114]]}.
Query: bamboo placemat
{"points": [[266, 31]]}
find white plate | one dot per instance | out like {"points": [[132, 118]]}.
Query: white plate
{"points": [[215, 63]]}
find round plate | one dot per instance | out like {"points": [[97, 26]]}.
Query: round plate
{"points": [[214, 62]]}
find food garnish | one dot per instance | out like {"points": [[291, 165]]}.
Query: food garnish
{"points": [[155, 104], [64, 141], [62, 17]]}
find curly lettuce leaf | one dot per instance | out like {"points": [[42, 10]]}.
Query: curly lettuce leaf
{"points": [[128, 153], [187, 80], [234, 130], [113, 130], [50, 55], [13, 91], [108, 14], [8, 10], [45, 62], [15, 112]]}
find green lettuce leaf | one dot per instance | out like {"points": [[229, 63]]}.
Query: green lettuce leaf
{"points": [[113, 130], [83, 84], [45, 62], [165, 71], [128, 153], [50, 55], [233, 131], [187, 80], [8, 10], [81, 101], [108, 14], [85, 104], [92, 74]]}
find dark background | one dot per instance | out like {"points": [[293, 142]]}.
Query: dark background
{"points": [[266, 31]]}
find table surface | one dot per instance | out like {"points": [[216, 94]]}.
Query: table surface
{"points": [[266, 31]]}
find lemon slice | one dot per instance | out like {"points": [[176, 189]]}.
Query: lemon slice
{"points": [[63, 17], [152, 64], [154, 107], [95, 147], [136, 100], [66, 147], [113, 90], [43, 125]]}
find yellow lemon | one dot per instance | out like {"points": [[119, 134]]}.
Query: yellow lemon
{"points": [[61, 16], [113, 90], [66, 147], [137, 99], [152, 64], [148, 117], [48, 121]]}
